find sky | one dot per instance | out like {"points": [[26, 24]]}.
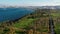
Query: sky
{"points": [[30, 2]]}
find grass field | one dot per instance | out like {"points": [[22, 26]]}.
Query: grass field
{"points": [[24, 23]]}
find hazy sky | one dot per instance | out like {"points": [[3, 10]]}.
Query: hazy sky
{"points": [[30, 2]]}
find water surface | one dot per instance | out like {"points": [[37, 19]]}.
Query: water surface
{"points": [[13, 13]]}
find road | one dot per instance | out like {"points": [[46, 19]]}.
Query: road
{"points": [[51, 26]]}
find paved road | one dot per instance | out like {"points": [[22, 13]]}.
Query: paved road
{"points": [[51, 26]]}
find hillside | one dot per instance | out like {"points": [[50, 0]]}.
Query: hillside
{"points": [[34, 23]]}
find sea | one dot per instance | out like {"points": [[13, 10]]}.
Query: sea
{"points": [[13, 13]]}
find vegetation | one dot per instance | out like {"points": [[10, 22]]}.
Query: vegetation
{"points": [[34, 23]]}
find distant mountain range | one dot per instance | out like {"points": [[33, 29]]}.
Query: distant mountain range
{"points": [[46, 7], [32, 7]]}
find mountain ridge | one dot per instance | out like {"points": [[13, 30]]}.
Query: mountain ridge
{"points": [[31, 7]]}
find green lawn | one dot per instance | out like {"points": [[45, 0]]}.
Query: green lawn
{"points": [[24, 23]]}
